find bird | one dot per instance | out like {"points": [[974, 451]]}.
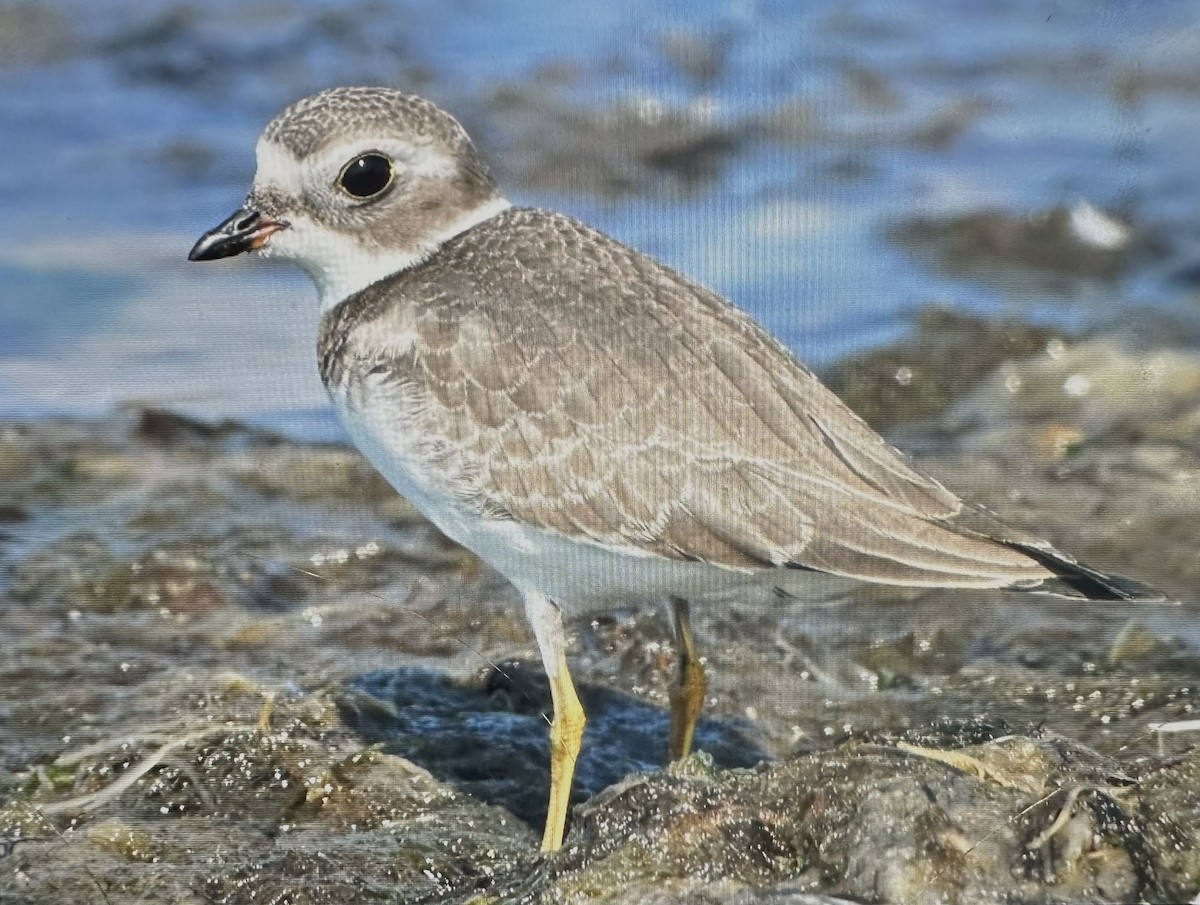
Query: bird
{"points": [[599, 428]]}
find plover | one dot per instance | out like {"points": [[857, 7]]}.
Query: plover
{"points": [[599, 428]]}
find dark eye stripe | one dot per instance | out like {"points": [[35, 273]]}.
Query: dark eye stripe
{"points": [[367, 175]]}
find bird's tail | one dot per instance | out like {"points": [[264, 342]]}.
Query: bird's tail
{"points": [[1073, 579]]}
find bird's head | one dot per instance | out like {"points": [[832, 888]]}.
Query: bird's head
{"points": [[356, 184]]}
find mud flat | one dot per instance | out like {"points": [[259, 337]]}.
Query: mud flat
{"points": [[238, 668]]}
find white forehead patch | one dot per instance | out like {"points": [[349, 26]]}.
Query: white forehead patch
{"points": [[278, 168]]}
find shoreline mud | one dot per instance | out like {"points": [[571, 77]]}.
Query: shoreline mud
{"points": [[191, 715]]}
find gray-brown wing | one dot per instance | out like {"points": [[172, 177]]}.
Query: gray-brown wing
{"points": [[610, 399]]}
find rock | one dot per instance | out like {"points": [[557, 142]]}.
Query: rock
{"points": [[921, 376], [1059, 243], [1098, 387], [173, 680], [34, 34], [17, 459], [931, 831], [634, 147]]}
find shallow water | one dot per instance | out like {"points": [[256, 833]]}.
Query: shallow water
{"points": [[805, 133]]}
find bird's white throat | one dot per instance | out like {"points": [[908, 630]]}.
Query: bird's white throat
{"points": [[340, 266]]}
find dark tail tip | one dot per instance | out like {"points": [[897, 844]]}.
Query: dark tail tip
{"points": [[1072, 579]]}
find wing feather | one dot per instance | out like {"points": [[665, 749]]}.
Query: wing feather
{"points": [[614, 401]]}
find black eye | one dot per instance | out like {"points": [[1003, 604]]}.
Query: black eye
{"points": [[367, 175]]}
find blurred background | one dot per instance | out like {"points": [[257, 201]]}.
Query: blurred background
{"points": [[235, 666], [837, 168]]}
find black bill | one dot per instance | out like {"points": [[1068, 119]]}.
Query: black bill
{"points": [[243, 230]]}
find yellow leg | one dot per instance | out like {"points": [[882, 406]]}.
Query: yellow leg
{"points": [[687, 692], [566, 729], [566, 738]]}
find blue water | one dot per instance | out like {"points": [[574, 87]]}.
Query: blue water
{"points": [[128, 128]]}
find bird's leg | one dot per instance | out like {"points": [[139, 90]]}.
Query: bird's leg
{"points": [[687, 691], [566, 729]]}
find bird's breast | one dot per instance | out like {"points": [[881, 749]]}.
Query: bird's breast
{"points": [[388, 419]]}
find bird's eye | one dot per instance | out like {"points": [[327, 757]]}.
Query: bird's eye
{"points": [[367, 175]]}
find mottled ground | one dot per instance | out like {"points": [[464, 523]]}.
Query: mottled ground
{"points": [[191, 714]]}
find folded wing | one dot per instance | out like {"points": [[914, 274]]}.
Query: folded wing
{"points": [[615, 401]]}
